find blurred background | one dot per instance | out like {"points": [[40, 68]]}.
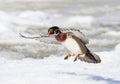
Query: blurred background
{"points": [[99, 20]]}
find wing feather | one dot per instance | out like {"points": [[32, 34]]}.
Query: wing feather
{"points": [[42, 38], [77, 33]]}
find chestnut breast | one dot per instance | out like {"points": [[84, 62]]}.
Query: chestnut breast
{"points": [[61, 37]]}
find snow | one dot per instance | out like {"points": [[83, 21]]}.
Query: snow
{"points": [[55, 70]]}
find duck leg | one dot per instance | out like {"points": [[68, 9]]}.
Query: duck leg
{"points": [[78, 55], [68, 55]]}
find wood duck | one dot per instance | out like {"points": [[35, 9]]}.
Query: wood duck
{"points": [[76, 45]]}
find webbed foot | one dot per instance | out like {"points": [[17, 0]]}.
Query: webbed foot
{"points": [[78, 55], [68, 55]]}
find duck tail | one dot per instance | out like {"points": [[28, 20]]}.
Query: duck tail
{"points": [[90, 57]]}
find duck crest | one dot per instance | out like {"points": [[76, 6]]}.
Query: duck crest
{"points": [[61, 37]]}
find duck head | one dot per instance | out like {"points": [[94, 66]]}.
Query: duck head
{"points": [[54, 31]]}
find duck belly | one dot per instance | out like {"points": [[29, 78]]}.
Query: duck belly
{"points": [[72, 45]]}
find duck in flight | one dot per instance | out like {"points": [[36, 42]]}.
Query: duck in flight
{"points": [[75, 41]]}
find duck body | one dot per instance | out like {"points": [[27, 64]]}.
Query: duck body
{"points": [[70, 43], [77, 47]]}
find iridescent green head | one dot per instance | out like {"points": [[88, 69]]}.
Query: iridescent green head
{"points": [[54, 30]]}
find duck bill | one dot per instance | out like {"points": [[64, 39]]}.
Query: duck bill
{"points": [[48, 34]]}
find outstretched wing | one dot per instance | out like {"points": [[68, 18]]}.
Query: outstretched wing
{"points": [[42, 38], [77, 33]]}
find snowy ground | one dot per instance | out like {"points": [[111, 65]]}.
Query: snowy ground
{"points": [[55, 70]]}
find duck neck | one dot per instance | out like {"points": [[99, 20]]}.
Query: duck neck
{"points": [[61, 37]]}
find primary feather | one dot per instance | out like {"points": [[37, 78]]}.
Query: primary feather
{"points": [[42, 38]]}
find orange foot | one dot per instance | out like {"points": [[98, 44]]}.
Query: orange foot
{"points": [[78, 55], [67, 56]]}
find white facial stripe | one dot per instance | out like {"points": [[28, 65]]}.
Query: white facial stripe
{"points": [[56, 32]]}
